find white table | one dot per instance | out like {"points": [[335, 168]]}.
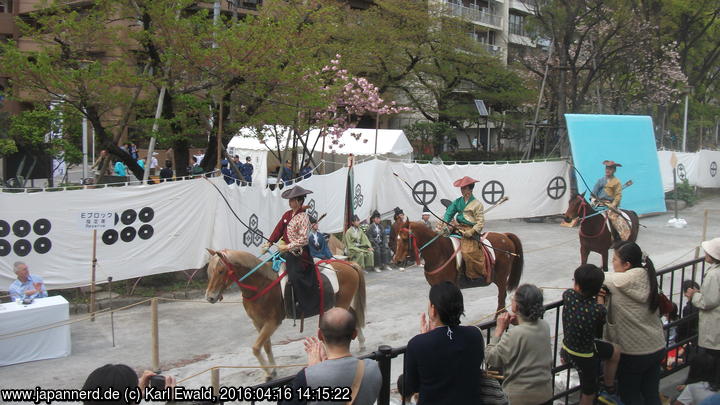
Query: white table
{"points": [[47, 344]]}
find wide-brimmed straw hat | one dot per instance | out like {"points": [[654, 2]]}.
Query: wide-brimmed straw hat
{"points": [[295, 192], [465, 181], [610, 163], [712, 247]]}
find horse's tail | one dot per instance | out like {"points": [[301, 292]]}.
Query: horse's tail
{"points": [[359, 300], [518, 263], [635, 227]]}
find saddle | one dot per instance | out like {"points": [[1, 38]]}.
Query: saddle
{"points": [[330, 285], [489, 254]]}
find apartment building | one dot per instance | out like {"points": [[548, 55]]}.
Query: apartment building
{"points": [[497, 24]]}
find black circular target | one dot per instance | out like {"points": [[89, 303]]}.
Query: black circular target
{"points": [[5, 248], [127, 234], [41, 227], [4, 228], [128, 217], [42, 245], [110, 236], [22, 247], [146, 214], [145, 232], [21, 228]]}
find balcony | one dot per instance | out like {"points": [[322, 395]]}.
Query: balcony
{"points": [[475, 15], [493, 50]]}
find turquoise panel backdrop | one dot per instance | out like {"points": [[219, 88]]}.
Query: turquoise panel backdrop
{"points": [[626, 139]]}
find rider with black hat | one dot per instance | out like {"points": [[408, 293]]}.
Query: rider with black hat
{"points": [[293, 228]]}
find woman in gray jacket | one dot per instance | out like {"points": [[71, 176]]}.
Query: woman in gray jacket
{"points": [[524, 352]]}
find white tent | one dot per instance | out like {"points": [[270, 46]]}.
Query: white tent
{"points": [[357, 141]]}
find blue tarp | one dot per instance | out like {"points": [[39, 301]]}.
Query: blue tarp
{"points": [[626, 139]]}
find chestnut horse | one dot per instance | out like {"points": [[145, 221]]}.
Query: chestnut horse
{"points": [[594, 233], [440, 265], [266, 308]]}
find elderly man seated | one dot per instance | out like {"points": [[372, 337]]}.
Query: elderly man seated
{"points": [[26, 286]]}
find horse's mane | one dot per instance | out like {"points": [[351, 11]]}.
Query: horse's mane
{"points": [[420, 227], [249, 261]]}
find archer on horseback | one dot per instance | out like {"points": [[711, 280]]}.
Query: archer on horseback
{"points": [[608, 192], [293, 228], [468, 213]]}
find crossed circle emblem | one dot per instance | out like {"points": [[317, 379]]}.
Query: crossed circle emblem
{"points": [[681, 171], [713, 169], [424, 192], [556, 188], [493, 191]]}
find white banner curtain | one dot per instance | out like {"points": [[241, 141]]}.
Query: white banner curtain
{"points": [[688, 168], [166, 227], [533, 189], [155, 229]]}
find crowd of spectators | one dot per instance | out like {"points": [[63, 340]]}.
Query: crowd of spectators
{"points": [[612, 332]]}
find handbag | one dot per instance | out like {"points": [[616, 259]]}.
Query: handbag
{"points": [[664, 304]]}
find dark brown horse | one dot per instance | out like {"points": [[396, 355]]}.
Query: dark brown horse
{"points": [[594, 233], [440, 264]]}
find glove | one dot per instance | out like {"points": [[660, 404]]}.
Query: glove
{"points": [[264, 247]]}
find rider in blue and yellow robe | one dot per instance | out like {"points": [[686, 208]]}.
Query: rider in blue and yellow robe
{"points": [[608, 192]]}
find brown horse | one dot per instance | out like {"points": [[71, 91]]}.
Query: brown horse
{"points": [[441, 266], [267, 310], [594, 233]]}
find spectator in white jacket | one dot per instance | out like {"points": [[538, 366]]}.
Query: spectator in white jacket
{"points": [[707, 301]]}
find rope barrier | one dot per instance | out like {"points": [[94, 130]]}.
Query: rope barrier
{"points": [[198, 302], [551, 246], [240, 367], [69, 322]]}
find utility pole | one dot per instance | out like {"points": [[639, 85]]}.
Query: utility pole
{"points": [[685, 120]]}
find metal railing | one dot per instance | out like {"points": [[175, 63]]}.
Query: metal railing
{"points": [[475, 15], [385, 354]]}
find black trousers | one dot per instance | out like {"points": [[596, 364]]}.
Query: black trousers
{"points": [[639, 378], [301, 273]]}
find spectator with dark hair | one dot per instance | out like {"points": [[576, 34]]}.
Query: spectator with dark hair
{"points": [[247, 170], [443, 364], [330, 363], [524, 352], [317, 242], [306, 170], [702, 382], [707, 301], [166, 173], [286, 173], [228, 175], [119, 377], [358, 246], [688, 327], [583, 320], [633, 323]]}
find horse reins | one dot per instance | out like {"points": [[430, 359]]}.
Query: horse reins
{"points": [[584, 217]]}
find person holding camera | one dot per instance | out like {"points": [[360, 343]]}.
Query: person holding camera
{"points": [[121, 377]]}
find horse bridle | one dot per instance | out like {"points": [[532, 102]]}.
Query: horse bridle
{"points": [[584, 206]]}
